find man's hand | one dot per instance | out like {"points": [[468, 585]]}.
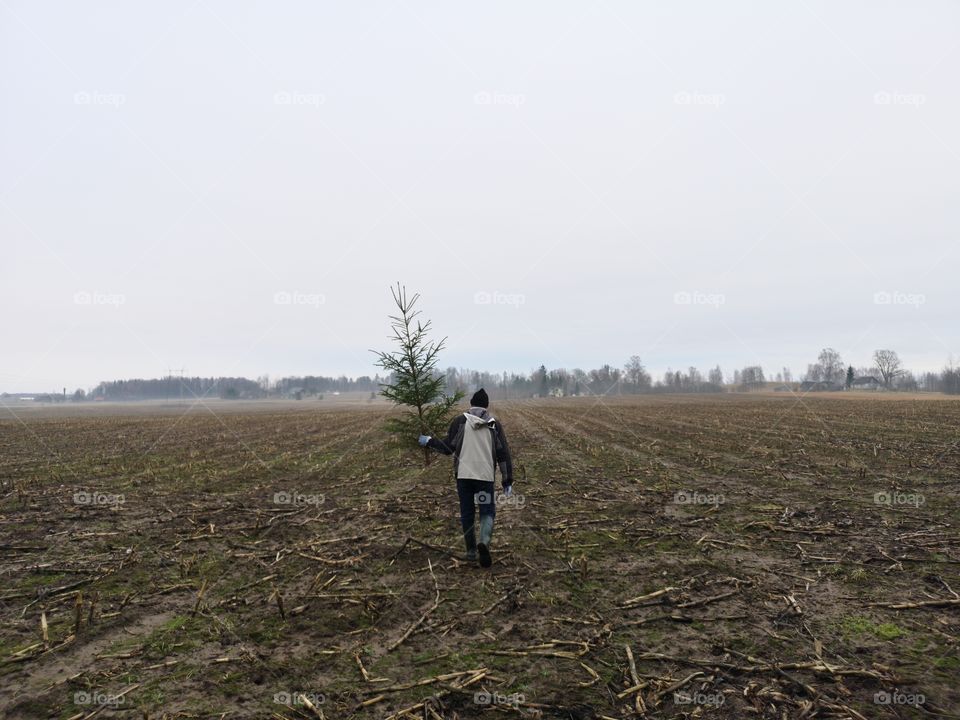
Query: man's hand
{"points": [[424, 439], [508, 490]]}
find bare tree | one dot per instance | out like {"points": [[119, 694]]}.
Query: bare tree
{"points": [[752, 377], [888, 365], [716, 376], [950, 379], [637, 376], [832, 365], [604, 379]]}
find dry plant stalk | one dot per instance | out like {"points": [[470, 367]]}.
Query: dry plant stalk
{"points": [[203, 589], [77, 614], [279, 599]]}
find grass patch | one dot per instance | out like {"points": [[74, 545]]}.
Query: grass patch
{"points": [[860, 626]]}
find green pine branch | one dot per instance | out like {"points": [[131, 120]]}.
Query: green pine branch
{"points": [[415, 385]]}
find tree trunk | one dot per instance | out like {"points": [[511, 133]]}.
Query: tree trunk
{"points": [[424, 430]]}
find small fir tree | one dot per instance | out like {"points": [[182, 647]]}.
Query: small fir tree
{"points": [[413, 381]]}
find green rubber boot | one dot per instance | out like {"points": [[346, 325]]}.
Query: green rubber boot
{"points": [[486, 535]]}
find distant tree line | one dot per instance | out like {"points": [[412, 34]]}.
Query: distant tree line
{"points": [[176, 387], [318, 384], [887, 372], [829, 372]]}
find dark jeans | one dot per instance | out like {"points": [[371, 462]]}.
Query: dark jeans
{"points": [[470, 492]]}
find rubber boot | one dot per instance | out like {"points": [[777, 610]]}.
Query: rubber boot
{"points": [[470, 540], [486, 535]]}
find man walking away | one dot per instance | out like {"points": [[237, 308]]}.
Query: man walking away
{"points": [[479, 446]]}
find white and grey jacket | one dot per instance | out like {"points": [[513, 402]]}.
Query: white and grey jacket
{"points": [[478, 445]]}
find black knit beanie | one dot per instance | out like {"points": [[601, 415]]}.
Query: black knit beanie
{"points": [[480, 399]]}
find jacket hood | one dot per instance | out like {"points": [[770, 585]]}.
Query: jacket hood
{"points": [[478, 417]]}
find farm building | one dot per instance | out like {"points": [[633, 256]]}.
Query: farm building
{"points": [[867, 382], [819, 386]]}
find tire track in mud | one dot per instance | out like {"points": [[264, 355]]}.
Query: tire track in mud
{"points": [[227, 453], [685, 453], [42, 679], [760, 558], [597, 500], [576, 471], [568, 430], [525, 422], [709, 433], [530, 444], [570, 511], [699, 478], [158, 539], [659, 431]]}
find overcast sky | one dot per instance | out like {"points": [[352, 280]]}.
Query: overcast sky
{"points": [[232, 187]]}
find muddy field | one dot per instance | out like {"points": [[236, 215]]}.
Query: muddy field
{"points": [[727, 557]]}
